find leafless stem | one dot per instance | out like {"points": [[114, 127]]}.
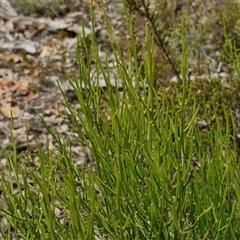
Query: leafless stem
{"points": [[144, 11]]}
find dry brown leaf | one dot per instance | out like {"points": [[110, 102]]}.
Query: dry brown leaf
{"points": [[24, 85], [42, 26], [28, 22], [30, 96], [8, 111], [46, 52], [6, 83], [15, 57], [74, 14]]}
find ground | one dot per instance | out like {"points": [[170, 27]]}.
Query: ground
{"points": [[37, 52]]}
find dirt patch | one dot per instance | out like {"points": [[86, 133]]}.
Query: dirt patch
{"points": [[35, 54]]}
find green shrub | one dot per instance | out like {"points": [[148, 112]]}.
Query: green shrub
{"points": [[158, 170]]}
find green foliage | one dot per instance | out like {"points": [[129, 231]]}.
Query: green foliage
{"points": [[158, 172], [43, 8]]}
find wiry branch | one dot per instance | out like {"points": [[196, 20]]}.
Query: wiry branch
{"points": [[143, 8]]}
